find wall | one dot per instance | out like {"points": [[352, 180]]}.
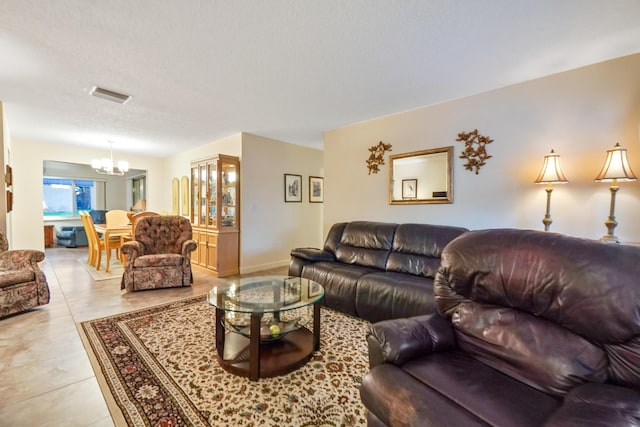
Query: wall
{"points": [[580, 114], [4, 159], [27, 162], [269, 228]]}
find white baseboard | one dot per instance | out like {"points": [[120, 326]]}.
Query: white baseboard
{"points": [[260, 267]]}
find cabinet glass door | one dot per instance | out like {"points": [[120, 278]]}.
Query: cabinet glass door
{"points": [[212, 182], [204, 194], [195, 195], [229, 180]]}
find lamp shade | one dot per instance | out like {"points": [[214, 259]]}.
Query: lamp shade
{"points": [[616, 166], [140, 205], [551, 172]]}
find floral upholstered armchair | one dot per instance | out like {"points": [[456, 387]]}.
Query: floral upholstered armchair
{"points": [[23, 285], [160, 255]]}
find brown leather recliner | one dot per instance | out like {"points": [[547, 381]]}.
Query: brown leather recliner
{"points": [[533, 329]]}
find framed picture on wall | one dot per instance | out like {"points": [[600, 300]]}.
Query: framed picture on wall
{"points": [[292, 188], [8, 175], [9, 201], [409, 189], [316, 189]]}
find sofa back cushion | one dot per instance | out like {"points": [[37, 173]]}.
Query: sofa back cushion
{"points": [[366, 243], [417, 248], [333, 238], [550, 310]]}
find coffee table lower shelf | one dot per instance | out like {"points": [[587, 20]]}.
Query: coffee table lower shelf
{"points": [[249, 357], [276, 358]]}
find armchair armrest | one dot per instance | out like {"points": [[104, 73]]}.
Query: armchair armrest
{"points": [[132, 250], [397, 341], [598, 404], [19, 259], [312, 254], [189, 246]]}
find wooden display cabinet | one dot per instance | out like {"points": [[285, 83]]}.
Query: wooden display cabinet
{"points": [[215, 214]]}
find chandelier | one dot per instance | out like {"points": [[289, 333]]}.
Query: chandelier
{"points": [[105, 166]]}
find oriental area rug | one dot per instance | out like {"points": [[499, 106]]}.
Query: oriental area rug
{"points": [[158, 367]]}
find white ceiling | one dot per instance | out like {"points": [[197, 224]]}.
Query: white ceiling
{"points": [[200, 70]]}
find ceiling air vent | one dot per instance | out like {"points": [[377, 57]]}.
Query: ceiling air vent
{"points": [[109, 95]]}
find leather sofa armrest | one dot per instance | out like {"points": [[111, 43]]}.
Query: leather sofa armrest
{"points": [[598, 404], [303, 256], [313, 254], [397, 341]]}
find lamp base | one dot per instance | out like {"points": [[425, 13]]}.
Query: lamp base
{"points": [[611, 223], [610, 238]]}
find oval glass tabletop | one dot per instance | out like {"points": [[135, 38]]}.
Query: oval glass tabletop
{"points": [[265, 294]]}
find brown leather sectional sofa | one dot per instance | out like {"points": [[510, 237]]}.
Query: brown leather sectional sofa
{"points": [[531, 329], [376, 270]]}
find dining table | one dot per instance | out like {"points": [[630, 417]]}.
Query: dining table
{"points": [[109, 231]]}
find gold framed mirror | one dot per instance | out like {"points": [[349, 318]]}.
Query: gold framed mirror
{"points": [[175, 196], [184, 193], [421, 177]]}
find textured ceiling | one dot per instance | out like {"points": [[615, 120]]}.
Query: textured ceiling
{"points": [[284, 69]]}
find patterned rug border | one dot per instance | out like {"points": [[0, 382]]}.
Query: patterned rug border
{"points": [[84, 328], [126, 409]]}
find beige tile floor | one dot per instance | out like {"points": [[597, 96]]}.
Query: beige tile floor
{"points": [[45, 375]]}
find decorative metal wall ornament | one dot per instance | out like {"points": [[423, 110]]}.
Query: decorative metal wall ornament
{"points": [[474, 151], [376, 158]]}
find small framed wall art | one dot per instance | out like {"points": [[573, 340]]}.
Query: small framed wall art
{"points": [[409, 189], [292, 188], [316, 189]]}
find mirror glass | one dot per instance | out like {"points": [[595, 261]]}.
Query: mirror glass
{"points": [[421, 177]]}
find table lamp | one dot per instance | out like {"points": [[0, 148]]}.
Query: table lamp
{"points": [[550, 174], [616, 168]]}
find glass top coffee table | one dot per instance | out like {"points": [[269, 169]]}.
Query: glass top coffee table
{"points": [[262, 324]]}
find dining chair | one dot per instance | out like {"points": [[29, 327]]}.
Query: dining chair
{"points": [[116, 218], [90, 239], [134, 221], [97, 243]]}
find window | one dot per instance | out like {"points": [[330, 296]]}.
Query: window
{"points": [[67, 197]]}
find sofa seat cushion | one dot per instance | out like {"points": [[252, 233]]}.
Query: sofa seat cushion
{"points": [[339, 282], [13, 277], [398, 399], [158, 260], [381, 296], [490, 395]]}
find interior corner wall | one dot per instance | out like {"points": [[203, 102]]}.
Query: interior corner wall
{"points": [[580, 114], [271, 227]]}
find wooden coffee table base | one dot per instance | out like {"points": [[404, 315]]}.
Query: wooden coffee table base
{"points": [[248, 357]]}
